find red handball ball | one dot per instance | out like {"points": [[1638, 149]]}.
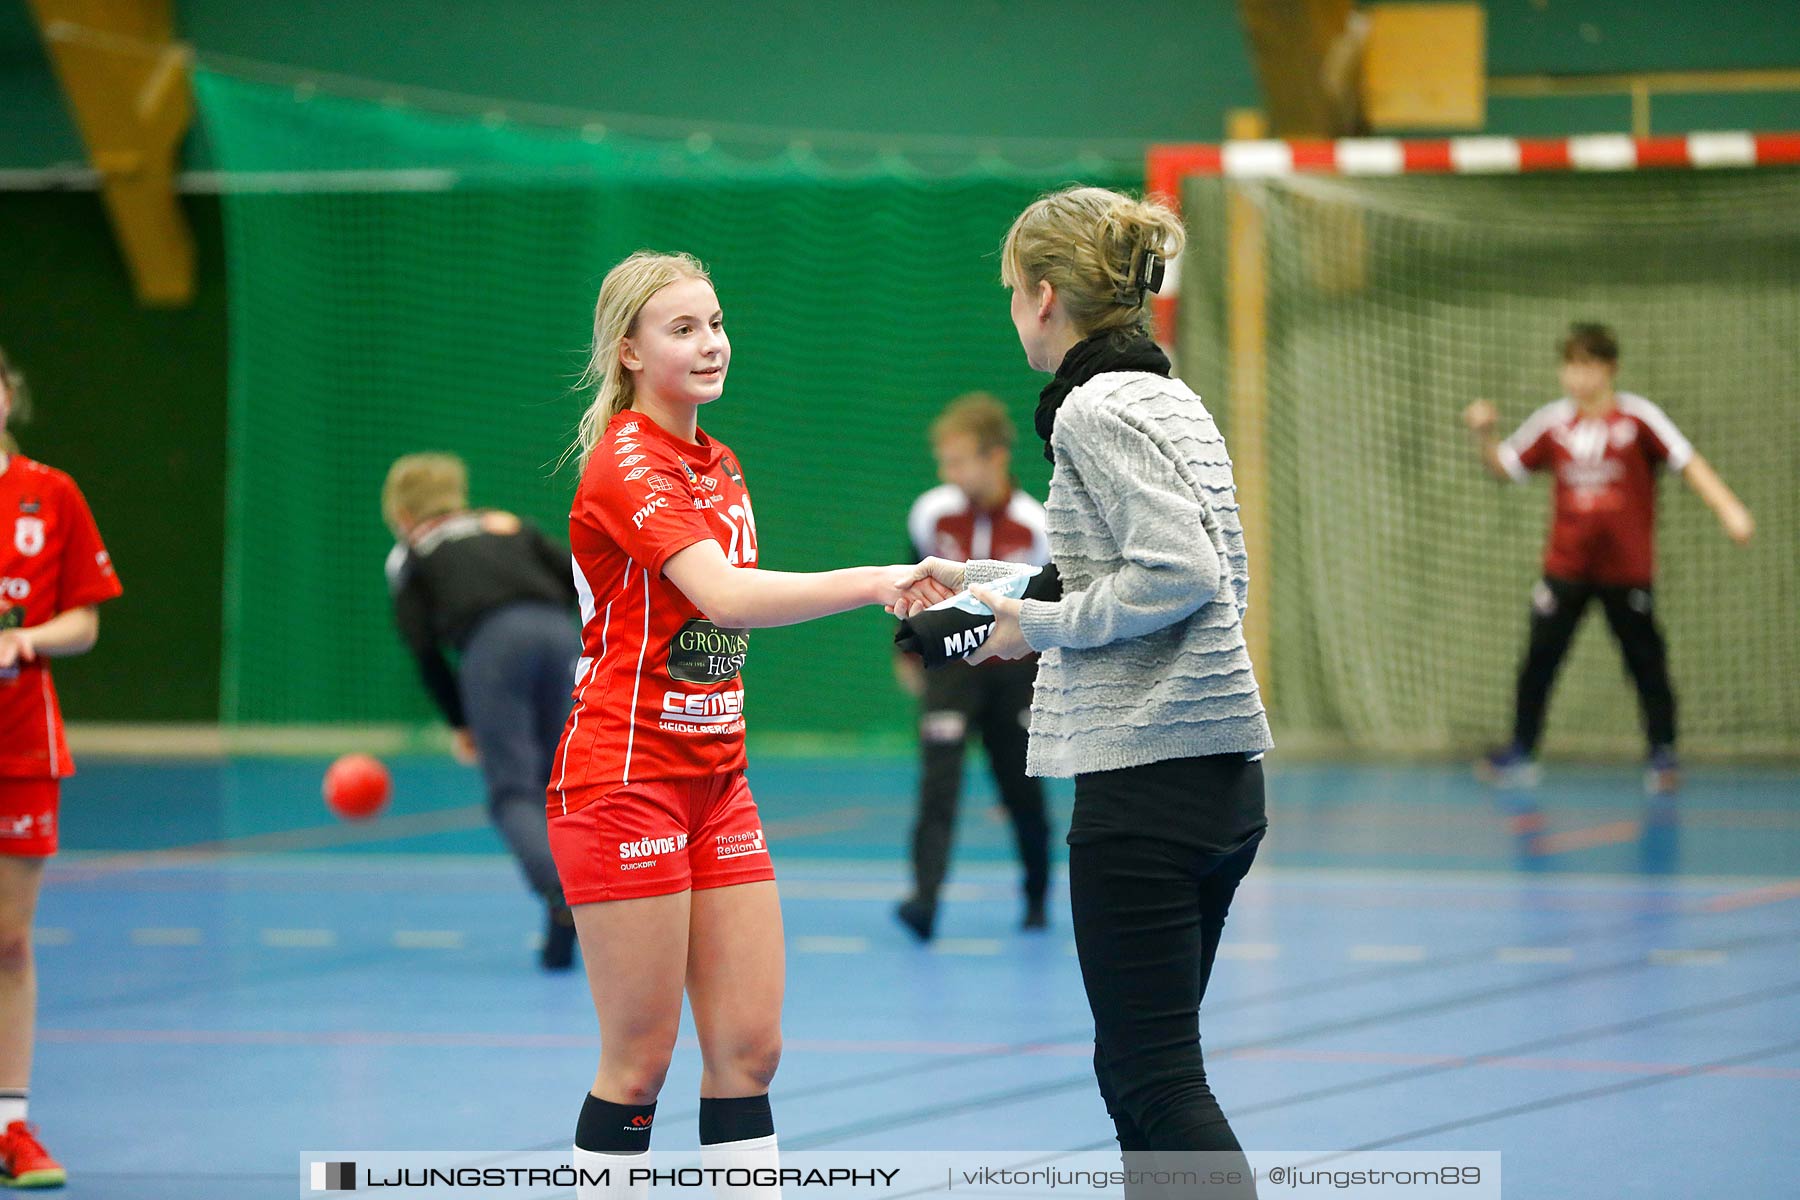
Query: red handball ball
{"points": [[357, 787]]}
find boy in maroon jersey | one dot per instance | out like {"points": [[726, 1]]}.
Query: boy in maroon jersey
{"points": [[54, 574], [977, 512], [1605, 448]]}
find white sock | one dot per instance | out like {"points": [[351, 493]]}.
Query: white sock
{"points": [[752, 1153], [12, 1105], [618, 1167]]}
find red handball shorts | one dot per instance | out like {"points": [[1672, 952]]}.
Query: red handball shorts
{"points": [[625, 841], [28, 809]]}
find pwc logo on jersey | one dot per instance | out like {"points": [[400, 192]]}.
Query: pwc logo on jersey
{"points": [[28, 535], [643, 514], [701, 652]]}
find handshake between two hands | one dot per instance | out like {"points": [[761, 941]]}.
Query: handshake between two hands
{"points": [[942, 621]]}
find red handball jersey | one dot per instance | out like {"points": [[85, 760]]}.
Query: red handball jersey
{"points": [[51, 560], [1603, 513], [658, 693]]}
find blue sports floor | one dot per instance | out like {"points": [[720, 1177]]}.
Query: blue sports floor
{"points": [[228, 977]]}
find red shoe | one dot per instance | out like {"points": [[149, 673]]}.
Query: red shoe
{"points": [[24, 1163]]}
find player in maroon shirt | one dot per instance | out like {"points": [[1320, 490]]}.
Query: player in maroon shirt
{"points": [[1606, 449], [656, 837], [54, 574], [978, 512]]}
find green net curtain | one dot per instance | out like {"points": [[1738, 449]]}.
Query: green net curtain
{"points": [[404, 280], [1401, 573]]}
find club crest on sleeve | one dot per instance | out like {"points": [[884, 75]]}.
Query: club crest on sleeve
{"points": [[28, 535]]}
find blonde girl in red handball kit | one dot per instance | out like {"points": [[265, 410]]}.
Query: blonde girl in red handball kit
{"points": [[656, 836]]}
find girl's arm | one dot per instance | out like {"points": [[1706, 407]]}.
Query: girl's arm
{"points": [[735, 598], [1734, 518], [62, 636]]}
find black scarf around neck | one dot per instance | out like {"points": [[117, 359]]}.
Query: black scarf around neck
{"points": [[1113, 350]]}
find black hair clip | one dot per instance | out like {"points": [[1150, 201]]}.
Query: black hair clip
{"points": [[1151, 268], [1147, 273]]}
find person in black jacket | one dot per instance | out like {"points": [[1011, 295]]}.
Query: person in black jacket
{"points": [[498, 592]]}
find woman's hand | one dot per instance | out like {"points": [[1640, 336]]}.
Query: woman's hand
{"points": [[1007, 640], [918, 587]]}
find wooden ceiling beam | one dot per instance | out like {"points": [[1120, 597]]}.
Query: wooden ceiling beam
{"points": [[126, 81]]}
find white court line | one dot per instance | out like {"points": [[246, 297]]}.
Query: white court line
{"points": [[1369, 952], [166, 936], [821, 889], [967, 947], [831, 945], [51, 935], [1687, 958], [1249, 951], [428, 939], [1535, 954], [299, 939]]}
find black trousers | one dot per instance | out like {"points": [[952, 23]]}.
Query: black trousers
{"points": [[993, 701], [1149, 909], [517, 675], [1556, 611]]}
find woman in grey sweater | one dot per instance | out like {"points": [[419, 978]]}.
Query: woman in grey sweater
{"points": [[1145, 692]]}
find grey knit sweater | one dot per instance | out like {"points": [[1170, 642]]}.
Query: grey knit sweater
{"points": [[1144, 656]]}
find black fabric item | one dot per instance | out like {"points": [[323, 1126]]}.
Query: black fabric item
{"points": [[1115, 350], [608, 1128], [516, 676], [1212, 804], [1556, 612], [453, 571], [1148, 914], [994, 701], [941, 635], [735, 1119]]}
